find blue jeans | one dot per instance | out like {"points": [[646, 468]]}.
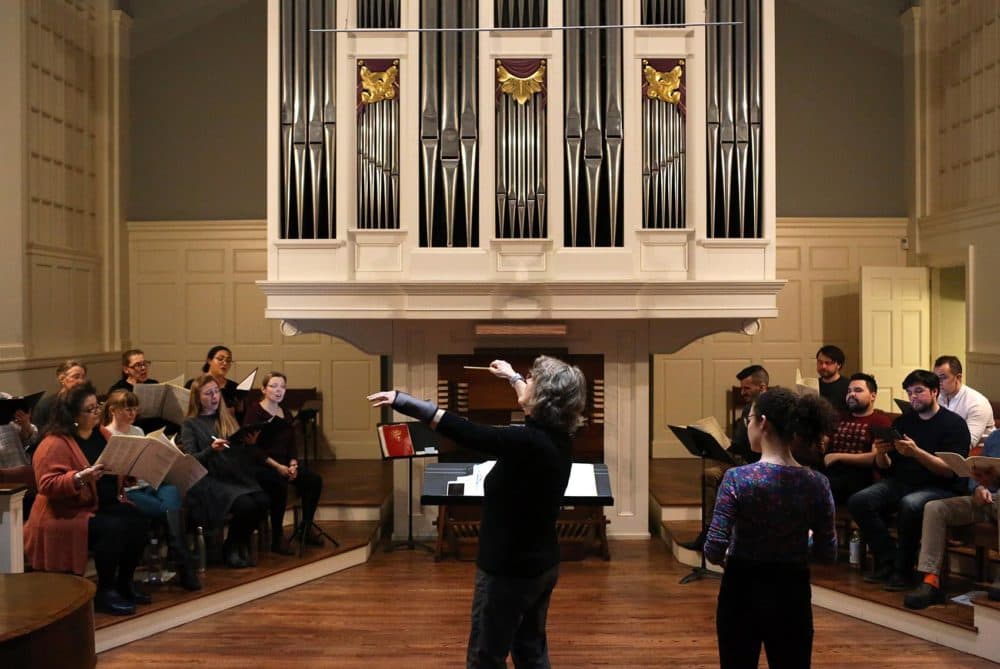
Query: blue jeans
{"points": [[508, 615], [870, 508], [155, 502]]}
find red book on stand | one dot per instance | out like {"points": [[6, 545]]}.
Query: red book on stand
{"points": [[395, 440]]}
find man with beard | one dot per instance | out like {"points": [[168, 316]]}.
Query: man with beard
{"points": [[832, 386], [912, 476], [849, 457]]}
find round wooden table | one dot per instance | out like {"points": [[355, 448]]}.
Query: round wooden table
{"points": [[46, 620]]}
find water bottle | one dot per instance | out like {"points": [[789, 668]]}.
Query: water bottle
{"points": [[202, 555], [154, 566], [854, 556]]}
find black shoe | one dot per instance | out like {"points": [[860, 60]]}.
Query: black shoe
{"points": [[187, 572], [898, 582], [281, 548], [924, 596], [314, 538], [233, 558], [880, 575], [695, 544], [130, 594], [109, 601]]}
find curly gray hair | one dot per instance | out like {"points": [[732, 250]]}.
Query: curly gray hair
{"points": [[559, 394]]}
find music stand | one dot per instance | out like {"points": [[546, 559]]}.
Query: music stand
{"points": [[421, 437], [308, 416], [701, 445]]}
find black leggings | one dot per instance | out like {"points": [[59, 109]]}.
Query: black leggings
{"points": [[248, 511], [308, 484], [117, 536], [769, 604]]}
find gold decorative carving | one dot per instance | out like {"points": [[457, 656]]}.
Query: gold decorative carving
{"points": [[663, 86], [378, 86], [521, 89]]}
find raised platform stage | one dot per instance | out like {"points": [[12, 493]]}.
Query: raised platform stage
{"points": [[355, 505], [675, 514]]}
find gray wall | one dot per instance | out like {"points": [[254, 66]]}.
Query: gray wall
{"points": [[199, 96], [198, 120], [839, 108]]}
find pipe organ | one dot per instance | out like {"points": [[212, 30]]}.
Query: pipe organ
{"points": [[594, 177], [509, 131]]}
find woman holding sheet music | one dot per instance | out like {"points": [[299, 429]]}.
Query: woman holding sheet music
{"points": [[230, 486], [760, 530], [278, 467], [518, 561], [77, 507], [159, 504]]}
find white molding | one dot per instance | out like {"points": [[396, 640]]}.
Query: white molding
{"points": [[50, 363], [147, 625], [981, 215], [715, 243], [855, 227], [473, 288]]}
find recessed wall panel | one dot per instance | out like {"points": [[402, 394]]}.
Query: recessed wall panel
{"points": [[206, 308], [249, 304]]}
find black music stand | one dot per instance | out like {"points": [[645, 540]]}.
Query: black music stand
{"points": [[308, 418], [422, 438], [701, 445]]}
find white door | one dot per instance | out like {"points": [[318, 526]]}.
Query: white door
{"points": [[895, 327]]}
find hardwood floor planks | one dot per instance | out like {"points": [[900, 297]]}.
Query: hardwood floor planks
{"points": [[404, 610]]}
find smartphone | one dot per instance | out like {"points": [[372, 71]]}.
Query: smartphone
{"points": [[890, 434], [456, 489]]}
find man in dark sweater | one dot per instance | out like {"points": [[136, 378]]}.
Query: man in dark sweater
{"points": [[912, 475], [833, 385]]}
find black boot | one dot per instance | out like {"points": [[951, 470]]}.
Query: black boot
{"points": [[126, 588], [109, 601], [187, 564], [695, 544]]}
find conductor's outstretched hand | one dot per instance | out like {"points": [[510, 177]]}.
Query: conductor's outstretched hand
{"points": [[502, 369], [382, 398]]}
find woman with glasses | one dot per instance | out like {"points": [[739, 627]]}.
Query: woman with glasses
{"points": [[218, 362], [230, 486], [69, 374], [760, 531], [161, 504], [279, 467], [135, 370], [518, 561], [78, 508]]}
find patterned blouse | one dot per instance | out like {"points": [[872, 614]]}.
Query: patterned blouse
{"points": [[764, 512]]}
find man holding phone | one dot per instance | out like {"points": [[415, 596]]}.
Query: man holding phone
{"points": [[912, 476], [848, 457]]}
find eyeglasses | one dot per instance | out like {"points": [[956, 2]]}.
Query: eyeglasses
{"points": [[96, 409], [746, 419], [142, 364], [224, 361]]}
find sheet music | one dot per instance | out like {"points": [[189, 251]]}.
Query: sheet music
{"points": [[247, 383], [582, 481]]}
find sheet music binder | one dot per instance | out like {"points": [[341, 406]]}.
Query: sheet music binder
{"points": [[701, 444]]}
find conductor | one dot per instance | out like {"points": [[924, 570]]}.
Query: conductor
{"points": [[518, 561]]}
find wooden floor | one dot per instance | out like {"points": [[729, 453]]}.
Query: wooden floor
{"points": [[404, 610]]}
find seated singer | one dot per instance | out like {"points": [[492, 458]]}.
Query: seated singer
{"points": [[518, 561], [278, 467]]}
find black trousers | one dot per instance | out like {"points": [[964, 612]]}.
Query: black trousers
{"points": [[248, 510], [765, 604], [307, 484], [508, 616], [117, 536]]}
